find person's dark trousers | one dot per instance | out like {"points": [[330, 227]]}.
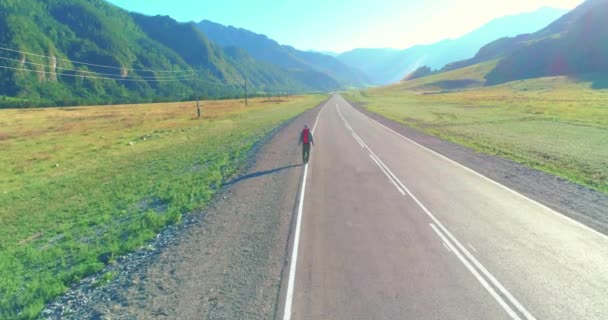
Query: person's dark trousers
{"points": [[305, 152]]}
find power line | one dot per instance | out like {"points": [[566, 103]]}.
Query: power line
{"points": [[186, 75], [219, 83], [94, 75], [90, 77], [92, 64], [216, 80], [119, 77]]}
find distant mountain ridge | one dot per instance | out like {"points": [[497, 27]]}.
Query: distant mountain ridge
{"points": [[384, 66], [265, 49], [576, 43], [147, 58]]}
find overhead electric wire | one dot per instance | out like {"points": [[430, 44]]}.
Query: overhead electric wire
{"points": [[90, 77], [218, 83], [214, 80], [92, 64], [119, 77], [97, 75], [186, 75]]}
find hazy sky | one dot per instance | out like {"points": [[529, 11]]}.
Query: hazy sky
{"points": [[341, 25]]}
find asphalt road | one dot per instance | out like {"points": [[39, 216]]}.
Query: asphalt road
{"points": [[387, 229]]}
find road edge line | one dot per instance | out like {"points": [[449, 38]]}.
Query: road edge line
{"points": [[296, 241]]}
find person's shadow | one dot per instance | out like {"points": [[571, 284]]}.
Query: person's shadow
{"points": [[260, 174]]}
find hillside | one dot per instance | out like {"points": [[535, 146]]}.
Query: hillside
{"points": [[60, 52], [385, 66], [575, 44], [423, 71], [270, 51], [454, 80]]}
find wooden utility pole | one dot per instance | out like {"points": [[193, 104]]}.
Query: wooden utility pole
{"points": [[198, 106], [246, 93]]}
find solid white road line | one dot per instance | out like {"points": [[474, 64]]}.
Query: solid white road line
{"points": [[481, 268], [296, 241], [479, 278], [446, 246], [484, 177], [294, 255], [358, 139], [348, 126], [390, 179]]}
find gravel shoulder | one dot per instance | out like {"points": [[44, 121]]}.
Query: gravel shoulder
{"points": [[225, 262], [578, 202]]}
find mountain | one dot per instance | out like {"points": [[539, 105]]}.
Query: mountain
{"points": [[421, 72], [382, 66], [327, 53], [91, 52], [575, 44], [385, 66], [267, 50]]}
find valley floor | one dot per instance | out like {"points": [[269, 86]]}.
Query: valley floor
{"points": [[228, 263], [224, 264], [558, 125]]}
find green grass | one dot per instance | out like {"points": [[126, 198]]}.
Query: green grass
{"points": [[446, 80], [558, 124], [79, 186]]}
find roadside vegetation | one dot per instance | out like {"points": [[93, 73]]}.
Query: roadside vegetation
{"points": [[80, 186], [555, 124]]}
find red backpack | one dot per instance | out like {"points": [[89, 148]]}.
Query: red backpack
{"points": [[305, 135]]}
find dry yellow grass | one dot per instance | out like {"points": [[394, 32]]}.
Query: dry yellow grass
{"points": [[33, 141]]}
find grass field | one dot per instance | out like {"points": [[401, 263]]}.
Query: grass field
{"points": [[80, 186], [468, 77], [557, 124]]}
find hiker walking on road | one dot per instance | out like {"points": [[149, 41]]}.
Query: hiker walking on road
{"points": [[305, 140]]}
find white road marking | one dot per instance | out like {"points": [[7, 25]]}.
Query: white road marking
{"points": [[487, 179], [476, 274], [446, 246], [358, 139], [470, 245], [296, 241], [478, 264], [390, 179], [348, 126], [317, 120], [376, 159]]}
